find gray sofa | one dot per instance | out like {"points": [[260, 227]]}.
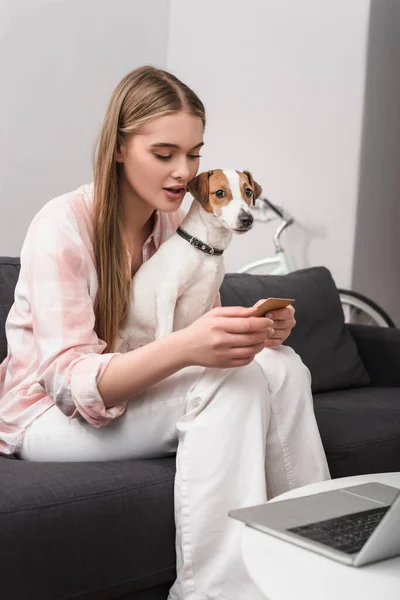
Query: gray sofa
{"points": [[106, 530]]}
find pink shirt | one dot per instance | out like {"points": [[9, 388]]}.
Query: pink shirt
{"points": [[54, 354]]}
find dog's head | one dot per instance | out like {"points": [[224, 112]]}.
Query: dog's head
{"points": [[228, 195]]}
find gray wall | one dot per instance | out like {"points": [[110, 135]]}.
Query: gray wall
{"points": [[283, 84], [376, 268], [59, 63]]}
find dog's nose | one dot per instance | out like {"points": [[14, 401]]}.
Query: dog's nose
{"points": [[246, 219]]}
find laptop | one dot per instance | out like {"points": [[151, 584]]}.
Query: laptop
{"points": [[355, 525]]}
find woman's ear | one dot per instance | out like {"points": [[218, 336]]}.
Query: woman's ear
{"points": [[120, 151], [119, 155]]}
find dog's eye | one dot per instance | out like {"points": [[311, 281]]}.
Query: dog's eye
{"points": [[220, 194], [249, 192]]}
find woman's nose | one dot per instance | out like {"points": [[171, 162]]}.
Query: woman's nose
{"points": [[182, 170]]}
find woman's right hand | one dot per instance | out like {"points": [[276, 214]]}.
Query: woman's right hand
{"points": [[227, 336]]}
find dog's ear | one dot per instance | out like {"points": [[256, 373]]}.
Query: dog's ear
{"points": [[199, 187], [256, 187]]}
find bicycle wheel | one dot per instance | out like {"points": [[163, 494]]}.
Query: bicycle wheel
{"points": [[360, 310]]}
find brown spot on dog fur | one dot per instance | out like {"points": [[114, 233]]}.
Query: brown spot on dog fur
{"points": [[256, 187], [218, 181], [199, 187], [204, 186]]}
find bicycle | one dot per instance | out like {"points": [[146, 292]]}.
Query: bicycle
{"points": [[357, 308]]}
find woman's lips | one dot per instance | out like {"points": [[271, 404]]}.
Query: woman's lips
{"points": [[175, 194]]}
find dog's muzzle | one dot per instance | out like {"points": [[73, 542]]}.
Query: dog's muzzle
{"points": [[245, 221]]}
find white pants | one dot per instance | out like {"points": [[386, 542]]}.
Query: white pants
{"points": [[240, 436]]}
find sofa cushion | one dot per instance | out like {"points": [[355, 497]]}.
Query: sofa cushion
{"points": [[95, 528], [9, 272], [320, 336], [360, 430]]}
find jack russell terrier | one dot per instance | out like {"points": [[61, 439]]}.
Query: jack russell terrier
{"points": [[181, 281]]}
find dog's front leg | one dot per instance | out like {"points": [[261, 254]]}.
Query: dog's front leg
{"points": [[165, 306]]}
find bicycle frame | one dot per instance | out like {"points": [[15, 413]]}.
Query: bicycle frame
{"points": [[278, 264], [357, 308]]}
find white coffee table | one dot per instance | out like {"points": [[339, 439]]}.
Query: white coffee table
{"points": [[283, 571]]}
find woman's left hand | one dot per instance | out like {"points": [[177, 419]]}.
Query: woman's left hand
{"points": [[284, 322]]}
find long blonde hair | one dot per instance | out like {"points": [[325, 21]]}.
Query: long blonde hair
{"points": [[141, 95]]}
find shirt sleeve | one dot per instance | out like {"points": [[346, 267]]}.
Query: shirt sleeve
{"points": [[70, 359]]}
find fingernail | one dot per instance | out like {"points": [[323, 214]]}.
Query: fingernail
{"points": [[270, 316]]}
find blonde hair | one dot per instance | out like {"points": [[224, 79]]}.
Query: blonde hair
{"points": [[142, 95]]}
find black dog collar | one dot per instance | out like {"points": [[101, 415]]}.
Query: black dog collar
{"points": [[198, 244]]}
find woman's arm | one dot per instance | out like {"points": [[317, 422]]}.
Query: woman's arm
{"points": [[69, 358], [133, 372], [224, 337], [70, 364]]}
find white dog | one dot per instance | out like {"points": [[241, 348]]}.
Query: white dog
{"points": [[181, 281]]}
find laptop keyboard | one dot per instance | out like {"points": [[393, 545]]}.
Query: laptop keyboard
{"points": [[348, 533]]}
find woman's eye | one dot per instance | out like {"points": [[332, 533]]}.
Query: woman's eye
{"points": [[249, 192], [168, 156], [220, 194]]}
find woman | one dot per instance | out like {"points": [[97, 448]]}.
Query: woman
{"points": [[223, 394]]}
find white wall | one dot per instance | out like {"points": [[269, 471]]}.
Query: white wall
{"points": [[283, 85], [59, 63]]}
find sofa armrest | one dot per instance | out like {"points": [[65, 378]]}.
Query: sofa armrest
{"points": [[379, 349]]}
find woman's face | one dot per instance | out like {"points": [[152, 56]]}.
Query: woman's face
{"points": [[158, 162]]}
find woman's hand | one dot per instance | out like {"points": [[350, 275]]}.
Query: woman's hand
{"points": [[227, 336], [283, 323]]}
